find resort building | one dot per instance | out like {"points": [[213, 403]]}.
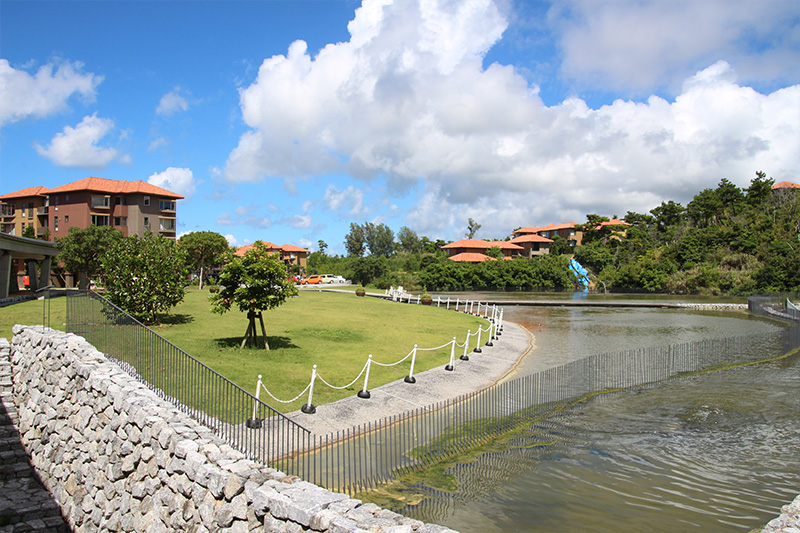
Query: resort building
{"points": [[615, 228], [290, 254], [567, 230], [786, 185], [474, 251], [532, 244], [133, 207]]}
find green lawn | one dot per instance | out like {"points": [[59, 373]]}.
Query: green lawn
{"points": [[335, 331]]}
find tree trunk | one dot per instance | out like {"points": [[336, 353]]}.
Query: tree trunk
{"points": [[251, 335], [202, 265]]}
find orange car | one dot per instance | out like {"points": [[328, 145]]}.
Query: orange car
{"points": [[311, 280]]}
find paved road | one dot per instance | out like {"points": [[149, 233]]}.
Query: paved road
{"points": [[482, 370]]}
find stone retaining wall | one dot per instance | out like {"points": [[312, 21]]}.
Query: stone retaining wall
{"points": [[116, 457]]}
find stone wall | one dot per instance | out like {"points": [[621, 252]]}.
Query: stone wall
{"points": [[116, 457]]}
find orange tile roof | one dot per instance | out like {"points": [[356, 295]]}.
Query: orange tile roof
{"points": [[243, 249], [531, 237], [786, 185], [612, 222], [469, 257], [26, 192], [484, 245], [292, 248], [549, 227], [114, 186]]}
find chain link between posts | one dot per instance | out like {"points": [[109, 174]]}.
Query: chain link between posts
{"points": [[496, 316]]}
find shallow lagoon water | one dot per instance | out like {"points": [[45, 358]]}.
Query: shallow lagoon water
{"points": [[716, 452]]}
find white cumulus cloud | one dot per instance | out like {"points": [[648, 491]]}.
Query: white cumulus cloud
{"points": [[172, 103], [177, 180], [633, 45], [47, 91], [348, 202], [408, 100], [79, 146]]}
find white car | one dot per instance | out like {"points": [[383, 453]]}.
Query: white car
{"points": [[338, 279]]}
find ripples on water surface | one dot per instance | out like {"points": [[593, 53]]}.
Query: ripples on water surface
{"points": [[709, 453]]}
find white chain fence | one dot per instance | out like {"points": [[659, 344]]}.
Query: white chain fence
{"points": [[490, 312]]}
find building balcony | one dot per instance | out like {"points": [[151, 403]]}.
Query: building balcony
{"points": [[43, 211], [8, 229], [43, 230], [7, 210], [166, 225]]}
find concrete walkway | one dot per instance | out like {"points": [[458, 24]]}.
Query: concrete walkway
{"points": [[25, 504], [433, 386]]}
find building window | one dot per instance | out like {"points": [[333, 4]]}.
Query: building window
{"points": [[120, 221], [120, 200], [101, 201], [166, 224], [66, 218], [147, 222], [55, 223], [146, 201], [99, 220], [166, 205]]}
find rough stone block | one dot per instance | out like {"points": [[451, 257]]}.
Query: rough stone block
{"points": [[234, 485], [342, 525]]}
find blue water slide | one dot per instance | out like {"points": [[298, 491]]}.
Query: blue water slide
{"points": [[581, 273]]}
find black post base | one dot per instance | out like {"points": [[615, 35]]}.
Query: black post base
{"points": [[254, 423]]}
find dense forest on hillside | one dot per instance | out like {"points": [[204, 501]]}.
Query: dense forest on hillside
{"points": [[726, 240]]}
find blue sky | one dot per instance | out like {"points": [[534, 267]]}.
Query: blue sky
{"points": [[285, 121]]}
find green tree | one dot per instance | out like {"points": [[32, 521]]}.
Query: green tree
{"points": [[254, 283], [705, 208], [669, 216], [365, 270], [760, 189], [409, 240], [355, 240], [560, 246], [591, 229], [495, 252], [322, 246], [145, 276], [205, 249], [472, 229], [379, 238], [82, 250], [730, 196]]}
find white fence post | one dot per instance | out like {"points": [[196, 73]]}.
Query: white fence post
{"points": [[364, 393], [410, 377], [450, 366], [478, 346], [309, 408], [464, 356], [489, 342], [253, 422]]}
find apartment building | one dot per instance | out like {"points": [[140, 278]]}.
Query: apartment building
{"points": [[133, 207], [290, 254], [567, 230], [474, 251]]}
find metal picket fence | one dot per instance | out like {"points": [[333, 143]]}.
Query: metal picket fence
{"points": [[363, 457], [181, 379]]}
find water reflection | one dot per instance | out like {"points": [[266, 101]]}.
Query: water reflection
{"points": [[709, 453]]}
